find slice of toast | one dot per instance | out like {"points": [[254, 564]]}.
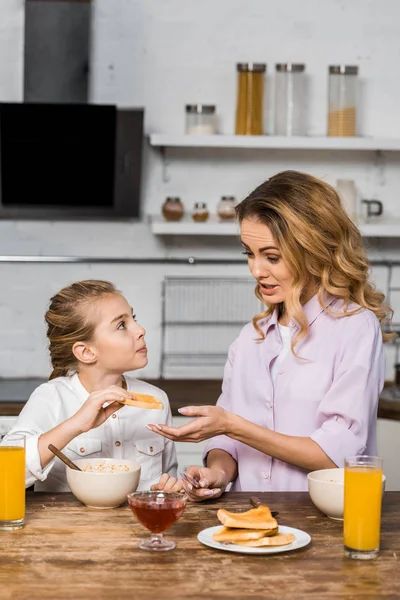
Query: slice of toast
{"points": [[235, 536], [281, 539], [255, 518], [143, 401]]}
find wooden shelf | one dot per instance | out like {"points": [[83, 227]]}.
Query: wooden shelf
{"points": [[275, 142]]}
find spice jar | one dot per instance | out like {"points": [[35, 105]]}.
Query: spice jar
{"points": [[172, 209], [226, 208], [250, 98], [342, 108], [290, 99], [200, 119], [200, 212]]}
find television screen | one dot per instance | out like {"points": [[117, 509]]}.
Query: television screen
{"points": [[60, 159]]}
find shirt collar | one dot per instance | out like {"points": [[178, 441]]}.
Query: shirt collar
{"points": [[312, 310], [80, 390]]}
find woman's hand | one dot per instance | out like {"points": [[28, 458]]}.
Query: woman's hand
{"points": [[168, 484], [211, 421], [212, 481], [92, 414]]}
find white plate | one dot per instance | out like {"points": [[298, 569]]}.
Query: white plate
{"points": [[301, 539]]}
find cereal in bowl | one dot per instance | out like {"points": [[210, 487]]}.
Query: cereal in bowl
{"points": [[103, 467]]}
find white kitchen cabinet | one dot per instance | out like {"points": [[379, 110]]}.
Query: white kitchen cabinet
{"points": [[388, 442]]}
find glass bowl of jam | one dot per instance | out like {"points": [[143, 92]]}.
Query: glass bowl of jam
{"points": [[157, 511]]}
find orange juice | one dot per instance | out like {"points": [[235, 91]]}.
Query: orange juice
{"points": [[12, 483], [362, 507]]}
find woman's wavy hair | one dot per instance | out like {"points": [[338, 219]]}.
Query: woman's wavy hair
{"points": [[320, 245], [67, 322]]}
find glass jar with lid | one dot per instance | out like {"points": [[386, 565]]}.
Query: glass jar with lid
{"points": [[342, 100], [250, 98], [290, 91], [200, 212], [226, 208], [172, 209], [201, 119]]}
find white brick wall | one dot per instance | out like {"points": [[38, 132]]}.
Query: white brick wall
{"points": [[161, 56]]}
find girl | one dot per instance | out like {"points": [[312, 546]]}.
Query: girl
{"points": [[94, 338], [302, 381]]}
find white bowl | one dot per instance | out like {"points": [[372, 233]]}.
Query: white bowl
{"points": [[326, 489], [103, 490]]}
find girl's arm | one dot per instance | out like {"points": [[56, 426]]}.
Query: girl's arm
{"points": [[91, 415], [39, 422]]}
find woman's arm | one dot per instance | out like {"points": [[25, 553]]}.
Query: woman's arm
{"points": [[301, 452], [221, 461], [343, 417]]}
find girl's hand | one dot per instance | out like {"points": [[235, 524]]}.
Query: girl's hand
{"points": [[168, 484], [212, 481], [92, 414], [211, 421]]}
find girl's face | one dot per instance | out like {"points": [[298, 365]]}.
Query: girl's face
{"points": [[265, 261], [118, 341]]}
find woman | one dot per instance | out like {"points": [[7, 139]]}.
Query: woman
{"points": [[302, 381]]}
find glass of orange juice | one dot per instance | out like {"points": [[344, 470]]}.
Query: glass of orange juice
{"points": [[12, 482], [362, 506]]}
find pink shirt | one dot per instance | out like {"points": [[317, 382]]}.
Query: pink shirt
{"points": [[332, 397]]}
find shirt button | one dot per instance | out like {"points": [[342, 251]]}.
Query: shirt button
{"points": [[151, 448], [269, 404], [265, 475], [114, 416], [281, 371], [82, 450], [117, 443]]}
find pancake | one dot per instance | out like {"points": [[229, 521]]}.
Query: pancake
{"points": [[255, 518], [143, 401], [281, 539], [235, 536]]}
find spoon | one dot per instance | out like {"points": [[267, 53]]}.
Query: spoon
{"points": [[64, 458], [190, 480]]}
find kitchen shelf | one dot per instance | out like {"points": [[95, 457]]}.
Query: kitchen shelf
{"points": [[381, 229], [215, 227], [275, 142], [189, 227]]}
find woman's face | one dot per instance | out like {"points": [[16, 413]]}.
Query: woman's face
{"points": [[265, 261], [118, 341]]}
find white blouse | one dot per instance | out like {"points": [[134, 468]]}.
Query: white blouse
{"points": [[122, 436]]}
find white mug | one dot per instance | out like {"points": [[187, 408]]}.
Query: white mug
{"points": [[348, 192], [371, 208]]}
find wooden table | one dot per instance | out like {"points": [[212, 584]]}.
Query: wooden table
{"points": [[69, 551]]}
